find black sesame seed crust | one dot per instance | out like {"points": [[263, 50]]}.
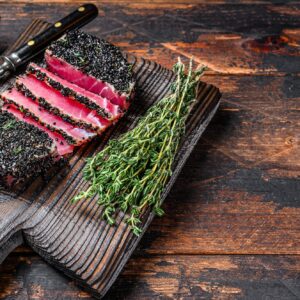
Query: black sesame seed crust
{"points": [[24, 149], [67, 92], [27, 113], [96, 57], [52, 109]]}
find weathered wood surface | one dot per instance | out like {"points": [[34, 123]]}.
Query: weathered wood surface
{"points": [[163, 277], [239, 191], [252, 35]]}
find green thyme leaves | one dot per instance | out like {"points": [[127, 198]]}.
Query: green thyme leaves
{"points": [[17, 150], [130, 174], [9, 124]]}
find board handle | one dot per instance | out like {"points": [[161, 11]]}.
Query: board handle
{"points": [[12, 214]]}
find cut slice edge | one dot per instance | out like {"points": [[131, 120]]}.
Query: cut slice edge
{"points": [[73, 135], [63, 148], [64, 107], [70, 73], [103, 106]]}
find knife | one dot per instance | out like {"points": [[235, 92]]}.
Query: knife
{"points": [[9, 63]]}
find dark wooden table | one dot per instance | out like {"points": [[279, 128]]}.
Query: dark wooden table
{"points": [[232, 228]]}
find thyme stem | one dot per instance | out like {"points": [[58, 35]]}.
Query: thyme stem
{"points": [[130, 173]]}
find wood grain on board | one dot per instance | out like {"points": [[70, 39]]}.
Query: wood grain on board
{"points": [[239, 191]]}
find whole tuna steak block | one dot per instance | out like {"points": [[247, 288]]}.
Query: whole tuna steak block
{"points": [[93, 64], [25, 150]]}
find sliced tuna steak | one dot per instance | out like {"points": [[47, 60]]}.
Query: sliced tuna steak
{"points": [[74, 135], [25, 150], [85, 88], [93, 64], [103, 106], [65, 107], [76, 76], [61, 144]]}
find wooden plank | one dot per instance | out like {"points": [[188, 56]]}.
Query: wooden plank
{"points": [[227, 215], [260, 117], [163, 277], [244, 39]]}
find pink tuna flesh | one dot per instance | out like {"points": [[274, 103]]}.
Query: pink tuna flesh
{"points": [[102, 102], [88, 82], [79, 135], [68, 106], [62, 146]]}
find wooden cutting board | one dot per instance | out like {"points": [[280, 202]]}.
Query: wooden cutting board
{"points": [[72, 237]]}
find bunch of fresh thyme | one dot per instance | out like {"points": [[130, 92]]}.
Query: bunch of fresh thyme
{"points": [[131, 172]]}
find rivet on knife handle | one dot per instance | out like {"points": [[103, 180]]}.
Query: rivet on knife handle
{"points": [[81, 16]]}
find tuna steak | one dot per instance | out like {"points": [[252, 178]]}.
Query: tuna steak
{"points": [[24, 149], [64, 107], [74, 135], [103, 106], [62, 146], [45, 115], [93, 64]]}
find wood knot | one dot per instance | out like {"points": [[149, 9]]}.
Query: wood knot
{"points": [[289, 141], [269, 44]]}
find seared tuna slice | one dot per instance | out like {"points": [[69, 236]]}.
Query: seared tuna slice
{"points": [[103, 106], [70, 110], [93, 64], [73, 135], [62, 146], [25, 150]]}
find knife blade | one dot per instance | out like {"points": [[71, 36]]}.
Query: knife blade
{"points": [[78, 18]]}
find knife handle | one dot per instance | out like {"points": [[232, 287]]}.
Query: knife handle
{"points": [[76, 19]]}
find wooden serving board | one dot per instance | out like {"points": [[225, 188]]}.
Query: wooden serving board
{"points": [[72, 237]]}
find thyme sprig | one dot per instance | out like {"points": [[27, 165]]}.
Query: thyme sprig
{"points": [[9, 124], [131, 172]]}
